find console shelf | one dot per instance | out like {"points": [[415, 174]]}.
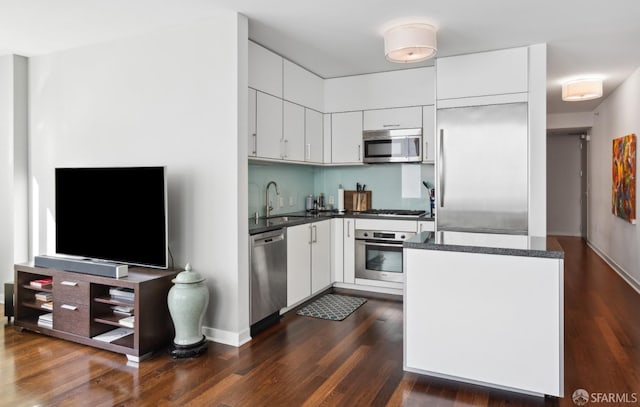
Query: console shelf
{"points": [[82, 307]]}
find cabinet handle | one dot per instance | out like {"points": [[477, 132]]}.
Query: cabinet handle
{"points": [[69, 283], [69, 307], [420, 227], [440, 169], [286, 145], [315, 234], [390, 125], [310, 235], [359, 159], [255, 143], [308, 152], [426, 149], [348, 228]]}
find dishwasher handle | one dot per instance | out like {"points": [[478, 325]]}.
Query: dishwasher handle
{"points": [[268, 237]]}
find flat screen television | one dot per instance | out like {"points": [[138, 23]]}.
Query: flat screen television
{"points": [[117, 214]]}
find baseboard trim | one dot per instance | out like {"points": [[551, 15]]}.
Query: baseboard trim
{"points": [[236, 339], [616, 267]]}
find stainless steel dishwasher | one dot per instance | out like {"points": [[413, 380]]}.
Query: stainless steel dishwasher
{"points": [[268, 262]]}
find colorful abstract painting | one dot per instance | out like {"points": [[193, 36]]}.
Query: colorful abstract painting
{"points": [[623, 191]]}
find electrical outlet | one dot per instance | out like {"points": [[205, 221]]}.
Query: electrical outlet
{"points": [[280, 201], [331, 201], [291, 203]]}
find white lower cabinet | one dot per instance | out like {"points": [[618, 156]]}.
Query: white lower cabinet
{"points": [[308, 260], [337, 250], [349, 254]]}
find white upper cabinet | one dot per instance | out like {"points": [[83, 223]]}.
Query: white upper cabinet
{"points": [[428, 134], [252, 142], [268, 126], [483, 74], [408, 87], [303, 87], [346, 138], [327, 138], [293, 132], [388, 119], [313, 136], [265, 70]]}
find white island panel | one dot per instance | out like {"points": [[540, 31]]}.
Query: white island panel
{"points": [[485, 318]]}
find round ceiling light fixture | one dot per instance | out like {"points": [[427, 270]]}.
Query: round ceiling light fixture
{"points": [[582, 89], [410, 43]]}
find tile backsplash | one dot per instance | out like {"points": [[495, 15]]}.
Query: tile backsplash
{"points": [[298, 181]]}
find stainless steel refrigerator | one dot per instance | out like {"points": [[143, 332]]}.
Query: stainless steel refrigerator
{"points": [[482, 171]]}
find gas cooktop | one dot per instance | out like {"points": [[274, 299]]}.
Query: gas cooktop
{"points": [[408, 213]]}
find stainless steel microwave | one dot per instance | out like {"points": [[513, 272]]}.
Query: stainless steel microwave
{"points": [[392, 146]]}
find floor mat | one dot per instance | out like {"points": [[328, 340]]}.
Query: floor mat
{"points": [[332, 306]]}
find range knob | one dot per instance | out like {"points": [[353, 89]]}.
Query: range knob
{"points": [[366, 235], [402, 237]]}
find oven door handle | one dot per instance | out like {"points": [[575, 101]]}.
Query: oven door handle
{"points": [[379, 242]]}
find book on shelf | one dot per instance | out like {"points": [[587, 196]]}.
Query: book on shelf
{"points": [[122, 310], [46, 320], [47, 305], [128, 322], [42, 283], [122, 293], [113, 335], [44, 296]]}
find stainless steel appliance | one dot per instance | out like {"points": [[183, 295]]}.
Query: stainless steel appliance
{"points": [[400, 213], [268, 273], [379, 254], [392, 146], [482, 169]]}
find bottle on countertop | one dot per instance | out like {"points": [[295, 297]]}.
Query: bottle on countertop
{"points": [[340, 199]]}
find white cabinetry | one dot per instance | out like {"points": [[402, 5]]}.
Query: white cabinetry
{"points": [[303, 87], [349, 255], [293, 132], [265, 70], [399, 118], [326, 118], [346, 138], [308, 260], [483, 74], [337, 250], [252, 141], [428, 134], [268, 126], [313, 136]]}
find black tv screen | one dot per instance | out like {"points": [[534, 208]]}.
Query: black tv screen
{"points": [[117, 214]]}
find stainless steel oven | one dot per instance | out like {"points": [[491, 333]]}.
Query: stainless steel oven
{"points": [[379, 254]]}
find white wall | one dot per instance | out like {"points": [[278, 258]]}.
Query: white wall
{"points": [[173, 97], [13, 165], [617, 240], [564, 182]]}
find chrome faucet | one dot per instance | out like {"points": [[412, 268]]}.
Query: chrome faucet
{"points": [[266, 197]]}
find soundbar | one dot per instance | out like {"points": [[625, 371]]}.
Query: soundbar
{"points": [[96, 268]]}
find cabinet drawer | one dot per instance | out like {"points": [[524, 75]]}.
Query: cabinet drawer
{"points": [[70, 288], [386, 119], [71, 317]]}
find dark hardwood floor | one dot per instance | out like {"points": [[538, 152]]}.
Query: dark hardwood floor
{"points": [[304, 361]]}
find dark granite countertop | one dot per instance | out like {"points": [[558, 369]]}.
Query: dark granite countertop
{"points": [[299, 218], [487, 243]]}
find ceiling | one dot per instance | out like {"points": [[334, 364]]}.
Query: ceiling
{"points": [[344, 37]]}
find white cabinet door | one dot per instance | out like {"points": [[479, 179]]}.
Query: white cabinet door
{"points": [[337, 250], [426, 226], [349, 251], [252, 141], [293, 132], [428, 134], [298, 263], [387, 119], [265, 70], [327, 138], [303, 87], [482, 74], [269, 126], [314, 136], [346, 138], [320, 255]]}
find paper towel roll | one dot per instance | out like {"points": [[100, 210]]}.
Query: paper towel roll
{"points": [[340, 199]]}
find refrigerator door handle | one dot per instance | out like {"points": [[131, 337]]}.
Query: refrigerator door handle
{"points": [[440, 168]]}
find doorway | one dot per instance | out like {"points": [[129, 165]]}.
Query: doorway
{"points": [[567, 183]]}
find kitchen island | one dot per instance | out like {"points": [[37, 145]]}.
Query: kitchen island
{"points": [[485, 309]]}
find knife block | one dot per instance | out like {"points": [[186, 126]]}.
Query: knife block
{"points": [[357, 201]]}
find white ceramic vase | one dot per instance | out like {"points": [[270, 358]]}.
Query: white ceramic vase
{"points": [[188, 300]]}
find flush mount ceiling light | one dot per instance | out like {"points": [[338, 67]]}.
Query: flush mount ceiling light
{"points": [[582, 89], [410, 43]]}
